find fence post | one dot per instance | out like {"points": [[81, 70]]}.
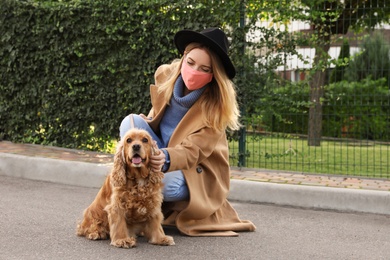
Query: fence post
{"points": [[242, 139]]}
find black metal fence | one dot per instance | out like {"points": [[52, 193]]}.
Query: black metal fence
{"points": [[350, 107]]}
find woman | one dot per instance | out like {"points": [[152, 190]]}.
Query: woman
{"points": [[193, 103]]}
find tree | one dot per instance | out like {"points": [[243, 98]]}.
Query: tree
{"points": [[329, 19]]}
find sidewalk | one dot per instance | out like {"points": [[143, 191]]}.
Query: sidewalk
{"points": [[271, 186]]}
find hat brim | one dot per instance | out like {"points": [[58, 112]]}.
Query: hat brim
{"points": [[185, 37]]}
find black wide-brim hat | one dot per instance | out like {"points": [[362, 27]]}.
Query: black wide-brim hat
{"points": [[213, 38]]}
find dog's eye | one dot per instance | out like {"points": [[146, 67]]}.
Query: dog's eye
{"points": [[129, 140], [145, 140]]}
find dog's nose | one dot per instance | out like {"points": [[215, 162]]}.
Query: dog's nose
{"points": [[136, 147]]}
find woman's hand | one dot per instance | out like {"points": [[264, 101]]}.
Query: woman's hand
{"points": [[157, 161]]}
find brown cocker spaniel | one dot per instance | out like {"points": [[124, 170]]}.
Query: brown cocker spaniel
{"points": [[129, 202]]}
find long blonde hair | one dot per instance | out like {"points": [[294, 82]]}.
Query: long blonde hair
{"points": [[219, 100]]}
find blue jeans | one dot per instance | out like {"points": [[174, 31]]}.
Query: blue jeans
{"points": [[175, 186]]}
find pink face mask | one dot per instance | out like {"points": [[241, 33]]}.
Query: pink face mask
{"points": [[194, 79]]}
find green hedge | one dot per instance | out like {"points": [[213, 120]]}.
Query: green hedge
{"points": [[285, 108], [71, 70], [358, 110]]}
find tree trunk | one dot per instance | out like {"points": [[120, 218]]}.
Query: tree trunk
{"points": [[316, 94]]}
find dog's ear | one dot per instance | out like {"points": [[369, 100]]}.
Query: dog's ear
{"points": [[156, 177], [153, 151], [118, 174]]}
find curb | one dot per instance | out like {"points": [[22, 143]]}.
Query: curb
{"points": [[92, 175], [324, 198], [53, 170]]}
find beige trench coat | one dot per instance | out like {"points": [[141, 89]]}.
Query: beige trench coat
{"points": [[202, 154]]}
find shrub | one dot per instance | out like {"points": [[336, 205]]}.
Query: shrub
{"points": [[350, 110], [373, 61], [71, 70], [358, 109]]}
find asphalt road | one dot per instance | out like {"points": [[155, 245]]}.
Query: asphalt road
{"points": [[38, 221]]}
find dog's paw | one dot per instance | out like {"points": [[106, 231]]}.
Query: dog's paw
{"points": [[168, 241], [164, 241], [124, 243], [97, 235]]}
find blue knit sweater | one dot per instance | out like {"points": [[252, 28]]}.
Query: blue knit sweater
{"points": [[178, 107]]}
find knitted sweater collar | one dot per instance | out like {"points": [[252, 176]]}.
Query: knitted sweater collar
{"points": [[188, 100]]}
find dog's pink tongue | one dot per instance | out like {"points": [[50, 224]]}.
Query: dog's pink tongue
{"points": [[136, 160]]}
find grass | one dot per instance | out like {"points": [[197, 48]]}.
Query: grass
{"points": [[340, 157]]}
